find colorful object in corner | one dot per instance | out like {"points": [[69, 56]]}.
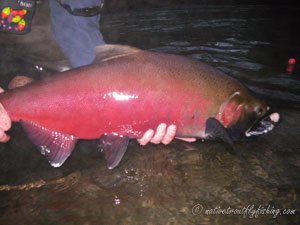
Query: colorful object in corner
{"points": [[16, 16]]}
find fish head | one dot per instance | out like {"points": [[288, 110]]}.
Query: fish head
{"points": [[245, 116]]}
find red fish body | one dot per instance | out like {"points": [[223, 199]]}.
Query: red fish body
{"points": [[127, 94]]}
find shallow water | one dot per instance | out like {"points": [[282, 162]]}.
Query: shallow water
{"points": [[160, 184]]}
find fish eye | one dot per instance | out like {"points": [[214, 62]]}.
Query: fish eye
{"points": [[258, 110]]}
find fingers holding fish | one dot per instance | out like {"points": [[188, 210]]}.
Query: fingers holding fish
{"points": [[159, 134], [163, 135], [5, 122], [170, 135], [146, 137]]}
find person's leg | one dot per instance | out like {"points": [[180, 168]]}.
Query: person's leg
{"points": [[76, 35]]}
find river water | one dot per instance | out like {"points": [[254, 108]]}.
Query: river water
{"points": [[199, 183]]}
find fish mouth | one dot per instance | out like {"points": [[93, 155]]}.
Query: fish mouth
{"points": [[263, 126]]}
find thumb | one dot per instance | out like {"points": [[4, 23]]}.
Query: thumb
{"points": [[3, 136], [5, 122]]}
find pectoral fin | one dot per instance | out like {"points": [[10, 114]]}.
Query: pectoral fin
{"points": [[54, 145], [114, 148], [215, 130]]}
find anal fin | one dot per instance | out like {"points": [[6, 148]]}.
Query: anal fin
{"points": [[54, 145], [114, 148]]}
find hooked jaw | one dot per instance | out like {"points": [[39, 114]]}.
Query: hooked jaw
{"points": [[263, 126]]}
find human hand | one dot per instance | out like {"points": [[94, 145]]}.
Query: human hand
{"points": [[163, 135], [5, 123]]}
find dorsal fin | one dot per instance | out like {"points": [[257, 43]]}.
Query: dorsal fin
{"points": [[108, 52], [19, 81]]}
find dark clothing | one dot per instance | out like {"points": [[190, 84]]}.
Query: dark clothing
{"points": [[76, 35]]}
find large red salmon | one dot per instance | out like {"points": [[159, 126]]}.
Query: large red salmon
{"points": [[125, 92]]}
